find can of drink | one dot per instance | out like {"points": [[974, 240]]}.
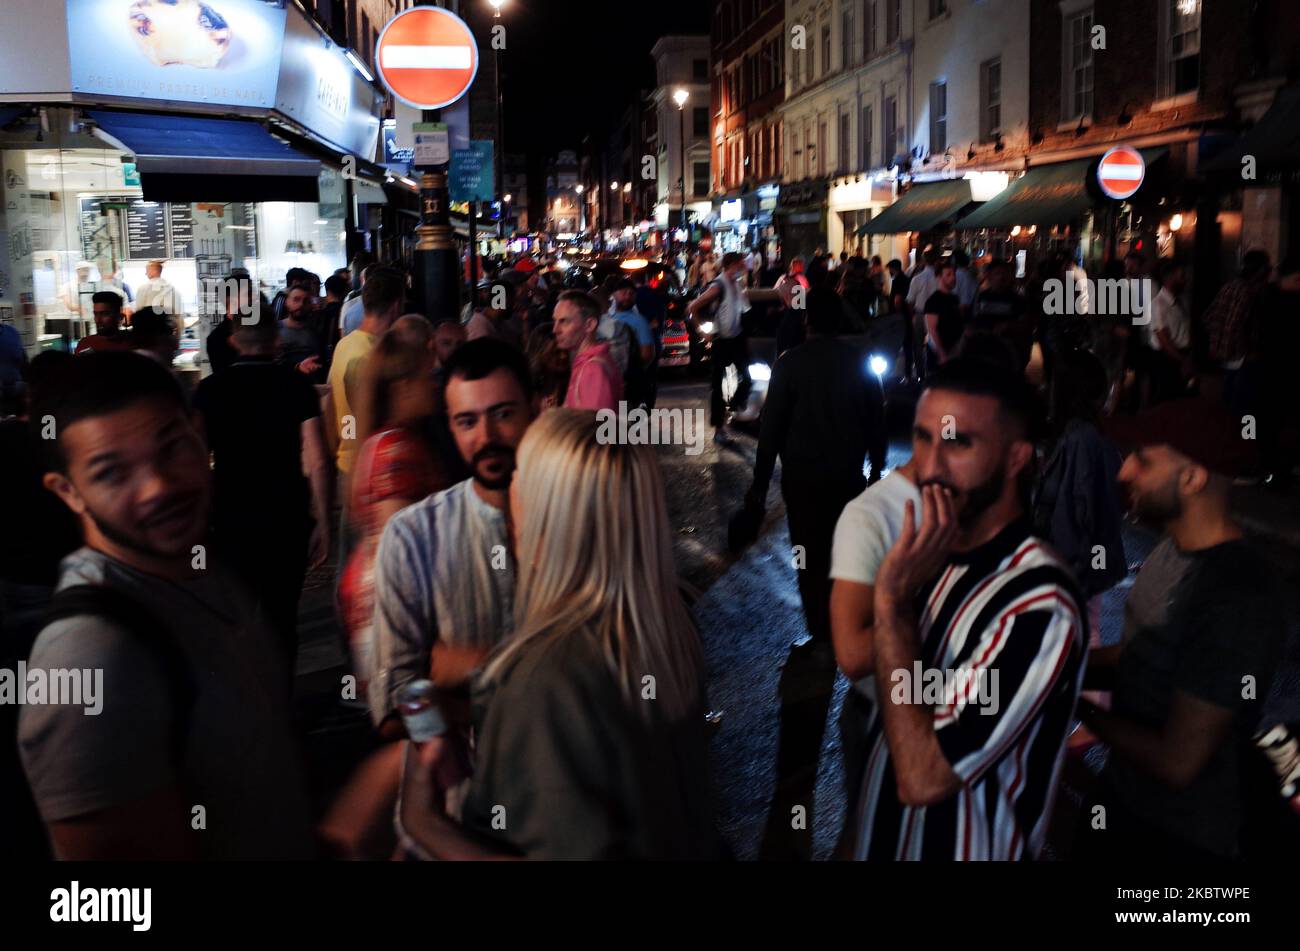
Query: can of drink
{"points": [[1283, 751], [417, 702]]}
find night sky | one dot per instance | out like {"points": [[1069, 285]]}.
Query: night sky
{"points": [[570, 66]]}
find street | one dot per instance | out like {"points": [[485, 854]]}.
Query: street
{"points": [[747, 607]]}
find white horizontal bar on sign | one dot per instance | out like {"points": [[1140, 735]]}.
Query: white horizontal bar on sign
{"points": [[1123, 173], [426, 57]]}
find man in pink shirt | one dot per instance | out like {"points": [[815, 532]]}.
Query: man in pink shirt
{"points": [[594, 379]]}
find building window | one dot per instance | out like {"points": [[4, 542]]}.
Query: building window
{"points": [[807, 67], [700, 185], [826, 49], [846, 37], [776, 148], [1181, 47], [990, 98], [938, 8], [821, 149], [700, 69], [846, 161], [893, 20], [938, 118], [794, 154], [1077, 94], [890, 118], [700, 121], [867, 155], [870, 34]]}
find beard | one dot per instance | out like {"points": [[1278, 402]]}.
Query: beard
{"points": [[975, 501], [493, 452], [1157, 507], [135, 540]]}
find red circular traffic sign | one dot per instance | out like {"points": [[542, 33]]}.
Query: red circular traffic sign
{"points": [[1121, 172], [427, 57]]}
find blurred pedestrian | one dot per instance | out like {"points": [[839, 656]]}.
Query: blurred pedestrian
{"points": [[567, 708], [594, 379], [730, 340]]}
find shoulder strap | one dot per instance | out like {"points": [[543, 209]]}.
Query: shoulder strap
{"points": [[137, 620]]}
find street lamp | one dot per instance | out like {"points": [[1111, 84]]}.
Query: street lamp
{"points": [[680, 97], [501, 122]]}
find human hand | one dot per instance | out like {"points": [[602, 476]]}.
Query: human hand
{"points": [[919, 552]]}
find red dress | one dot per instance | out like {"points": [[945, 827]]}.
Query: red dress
{"points": [[393, 464]]}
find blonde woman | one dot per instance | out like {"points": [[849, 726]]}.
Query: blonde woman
{"points": [[594, 744]]}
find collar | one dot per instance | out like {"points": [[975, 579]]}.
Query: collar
{"points": [[997, 548]]}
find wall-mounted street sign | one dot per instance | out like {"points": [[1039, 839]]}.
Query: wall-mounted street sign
{"points": [[1120, 172], [427, 57]]}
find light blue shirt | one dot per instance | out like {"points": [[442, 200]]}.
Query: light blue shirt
{"points": [[442, 572], [640, 326], [351, 314]]}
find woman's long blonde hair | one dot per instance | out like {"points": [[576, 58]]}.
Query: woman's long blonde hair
{"points": [[595, 556]]}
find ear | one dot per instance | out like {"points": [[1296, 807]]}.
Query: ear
{"points": [[1019, 456], [62, 486], [1193, 479]]}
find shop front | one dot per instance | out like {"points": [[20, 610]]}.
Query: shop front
{"points": [[855, 201], [258, 158], [924, 214], [801, 218]]}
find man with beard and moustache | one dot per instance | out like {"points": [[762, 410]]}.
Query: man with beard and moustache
{"points": [[1189, 682], [194, 707], [444, 575], [972, 596]]}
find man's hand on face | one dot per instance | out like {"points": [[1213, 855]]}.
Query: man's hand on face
{"points": [[919, 553]]}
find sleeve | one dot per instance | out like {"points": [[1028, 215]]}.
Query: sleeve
{"points": [[643, 335], [112, 748], [776, 417], [994, 696], [404, 622], [860, 545], [1230, 635]]}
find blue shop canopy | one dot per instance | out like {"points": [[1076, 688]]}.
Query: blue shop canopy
{"points": [[187, 158]]}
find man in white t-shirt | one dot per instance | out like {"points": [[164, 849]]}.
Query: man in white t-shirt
{"points": [[1170, 336], [867, 529]]}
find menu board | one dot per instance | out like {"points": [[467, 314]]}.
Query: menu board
{"points": [[146, 230], [99, 234], [181, 220]]}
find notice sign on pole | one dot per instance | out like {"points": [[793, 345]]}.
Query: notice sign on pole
{"points": [[432, 144], [471, 172], [1120, 172]]}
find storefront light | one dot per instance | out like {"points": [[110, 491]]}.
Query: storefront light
{"points": [[360, 65], [1015, 232], [1176, 223]]}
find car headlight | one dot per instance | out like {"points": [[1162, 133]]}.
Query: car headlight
{"points": [[878, 365], [760, 371]]}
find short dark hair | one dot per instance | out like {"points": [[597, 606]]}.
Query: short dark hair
{"points": [[824, 310], [1255, 263], [588, 307], [337, 285], [384, 287], [977, 377], [483, 357], [944, 265], [730, 258], [895, 263], [625, 284], [149, 324], [107, 297], [260, 329], [97, 384]]}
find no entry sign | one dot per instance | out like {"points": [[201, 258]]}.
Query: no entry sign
{"points": [[1120, 172], [427, 57]]}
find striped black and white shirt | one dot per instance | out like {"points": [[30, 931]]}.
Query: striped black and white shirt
{"points": [[1009, 607]]}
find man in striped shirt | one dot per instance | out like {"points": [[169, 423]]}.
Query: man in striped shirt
{"points": [[978, 642]]}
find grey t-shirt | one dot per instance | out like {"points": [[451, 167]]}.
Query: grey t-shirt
{"points": [[240, 761]]}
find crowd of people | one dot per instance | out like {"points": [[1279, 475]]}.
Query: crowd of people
{"points": [[495, 554]]}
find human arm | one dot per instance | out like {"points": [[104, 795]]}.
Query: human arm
{"points": [[316, 467], [1174, 753], [852, 616]]}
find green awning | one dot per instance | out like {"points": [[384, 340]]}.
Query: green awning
{"points": [[1274, 141], [1045, 195], [922, 208]]}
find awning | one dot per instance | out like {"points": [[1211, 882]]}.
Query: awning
{"points": [[1045, 195], [184, 158], [922, 208], [1274, 141]]}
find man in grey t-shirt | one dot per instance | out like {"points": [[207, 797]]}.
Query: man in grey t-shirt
{"points": [[110, 779]]}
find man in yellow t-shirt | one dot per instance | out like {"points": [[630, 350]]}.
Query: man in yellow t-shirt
{"points": [[382, 299]]}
